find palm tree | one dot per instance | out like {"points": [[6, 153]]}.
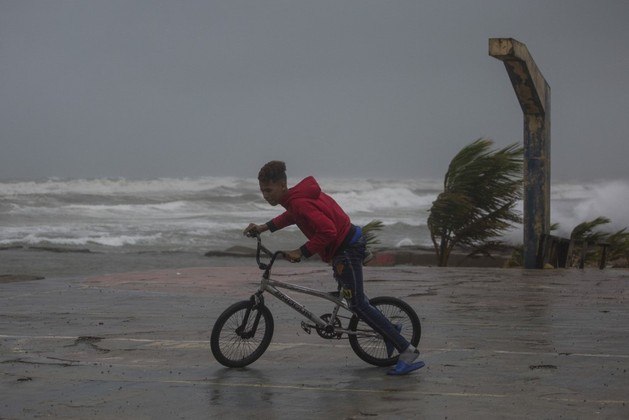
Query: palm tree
{"points": [[619, 245], [584, 237], [584, 232], [481, 189]]}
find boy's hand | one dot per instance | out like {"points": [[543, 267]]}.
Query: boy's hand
{"points": [[293, 256], [253, 228]]}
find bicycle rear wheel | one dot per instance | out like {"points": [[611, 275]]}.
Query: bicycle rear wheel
{"points": [[372, 348], [241, 334]]}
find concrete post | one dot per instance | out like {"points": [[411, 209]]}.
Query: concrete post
{"points": [[533, 93]]}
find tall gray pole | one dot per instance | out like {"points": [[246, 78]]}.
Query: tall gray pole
{"points": [[534, 96]]}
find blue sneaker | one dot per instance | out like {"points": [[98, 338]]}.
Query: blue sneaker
{"points": [[388, 344], [403, 368]]}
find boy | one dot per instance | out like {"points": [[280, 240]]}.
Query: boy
{"points": [[331, 235]]}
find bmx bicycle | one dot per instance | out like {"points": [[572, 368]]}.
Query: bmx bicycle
{"points": [[243, 332]]}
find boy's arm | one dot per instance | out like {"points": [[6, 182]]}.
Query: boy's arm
{"points": [[277, 223], [280, 222]]}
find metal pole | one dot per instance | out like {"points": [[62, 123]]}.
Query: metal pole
{"points": [[533, 94]]}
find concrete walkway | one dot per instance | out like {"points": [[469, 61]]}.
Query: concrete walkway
{"points": [[497, 343]]}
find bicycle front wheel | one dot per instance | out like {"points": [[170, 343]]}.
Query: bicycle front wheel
{"points": [[241, 334], [370, 346]]}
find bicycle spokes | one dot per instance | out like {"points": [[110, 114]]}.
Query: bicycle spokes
{"points": [[241, 334]]}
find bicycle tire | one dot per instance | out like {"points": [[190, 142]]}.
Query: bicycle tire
{"points": [[236, 350], [373, 349]]}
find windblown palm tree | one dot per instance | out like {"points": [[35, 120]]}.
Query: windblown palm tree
{"points": [[619, 245], [584, 232], [481, 189], [586, 239]]}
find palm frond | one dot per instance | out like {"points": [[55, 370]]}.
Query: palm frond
{"points": [[369, 232], [585, 231], [619, 245], [481, 189]]}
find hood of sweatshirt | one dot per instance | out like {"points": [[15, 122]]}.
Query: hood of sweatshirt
{"points": [[306, 188]]}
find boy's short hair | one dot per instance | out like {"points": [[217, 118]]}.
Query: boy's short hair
{"points": [[273, 171]]}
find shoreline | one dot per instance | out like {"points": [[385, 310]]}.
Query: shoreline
{"points": [[35, 263], [407, 255]]}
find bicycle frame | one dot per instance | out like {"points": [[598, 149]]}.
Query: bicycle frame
{"points": [[272, 287]]}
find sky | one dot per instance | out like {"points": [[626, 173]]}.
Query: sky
{"points": [[344, 88]]}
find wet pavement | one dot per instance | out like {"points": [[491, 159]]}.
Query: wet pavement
{"points": [[498, 343]]}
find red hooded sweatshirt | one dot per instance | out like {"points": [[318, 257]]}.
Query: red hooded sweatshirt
{"points": [[317, 215]]}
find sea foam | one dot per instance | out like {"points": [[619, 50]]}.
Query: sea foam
{"points": [[209, 213]]}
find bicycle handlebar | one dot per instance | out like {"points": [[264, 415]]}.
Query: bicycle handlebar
{"points": [[261, 248]]}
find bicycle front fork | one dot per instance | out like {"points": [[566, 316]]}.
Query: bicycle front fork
{"points": [[257, 301]]}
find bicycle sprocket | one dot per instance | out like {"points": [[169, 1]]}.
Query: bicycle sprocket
{"points": [[328, 331]]}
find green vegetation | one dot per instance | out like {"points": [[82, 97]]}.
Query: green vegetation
{"points": [[587, 242], [481, 189], [369, 232]]}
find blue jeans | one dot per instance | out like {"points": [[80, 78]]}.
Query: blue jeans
{"points": [[348, 272]]}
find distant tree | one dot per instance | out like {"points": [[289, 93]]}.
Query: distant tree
{"points": [[481, 189], [584, 232], [586, 237], [619, 245]]}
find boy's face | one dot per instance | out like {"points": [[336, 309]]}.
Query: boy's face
{"points": [[273, 191]]}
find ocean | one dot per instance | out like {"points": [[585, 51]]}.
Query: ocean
{"points": [[208, 214]]}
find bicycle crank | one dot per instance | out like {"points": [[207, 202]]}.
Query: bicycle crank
{"points": [[328, 332]]}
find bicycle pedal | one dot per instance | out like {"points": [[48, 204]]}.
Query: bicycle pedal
{"points": [[306, 327]]}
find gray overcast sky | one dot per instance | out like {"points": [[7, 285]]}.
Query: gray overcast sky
{"points": [[139, 89]]}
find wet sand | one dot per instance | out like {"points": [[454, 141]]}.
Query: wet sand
{"points": [[498, 343]]}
